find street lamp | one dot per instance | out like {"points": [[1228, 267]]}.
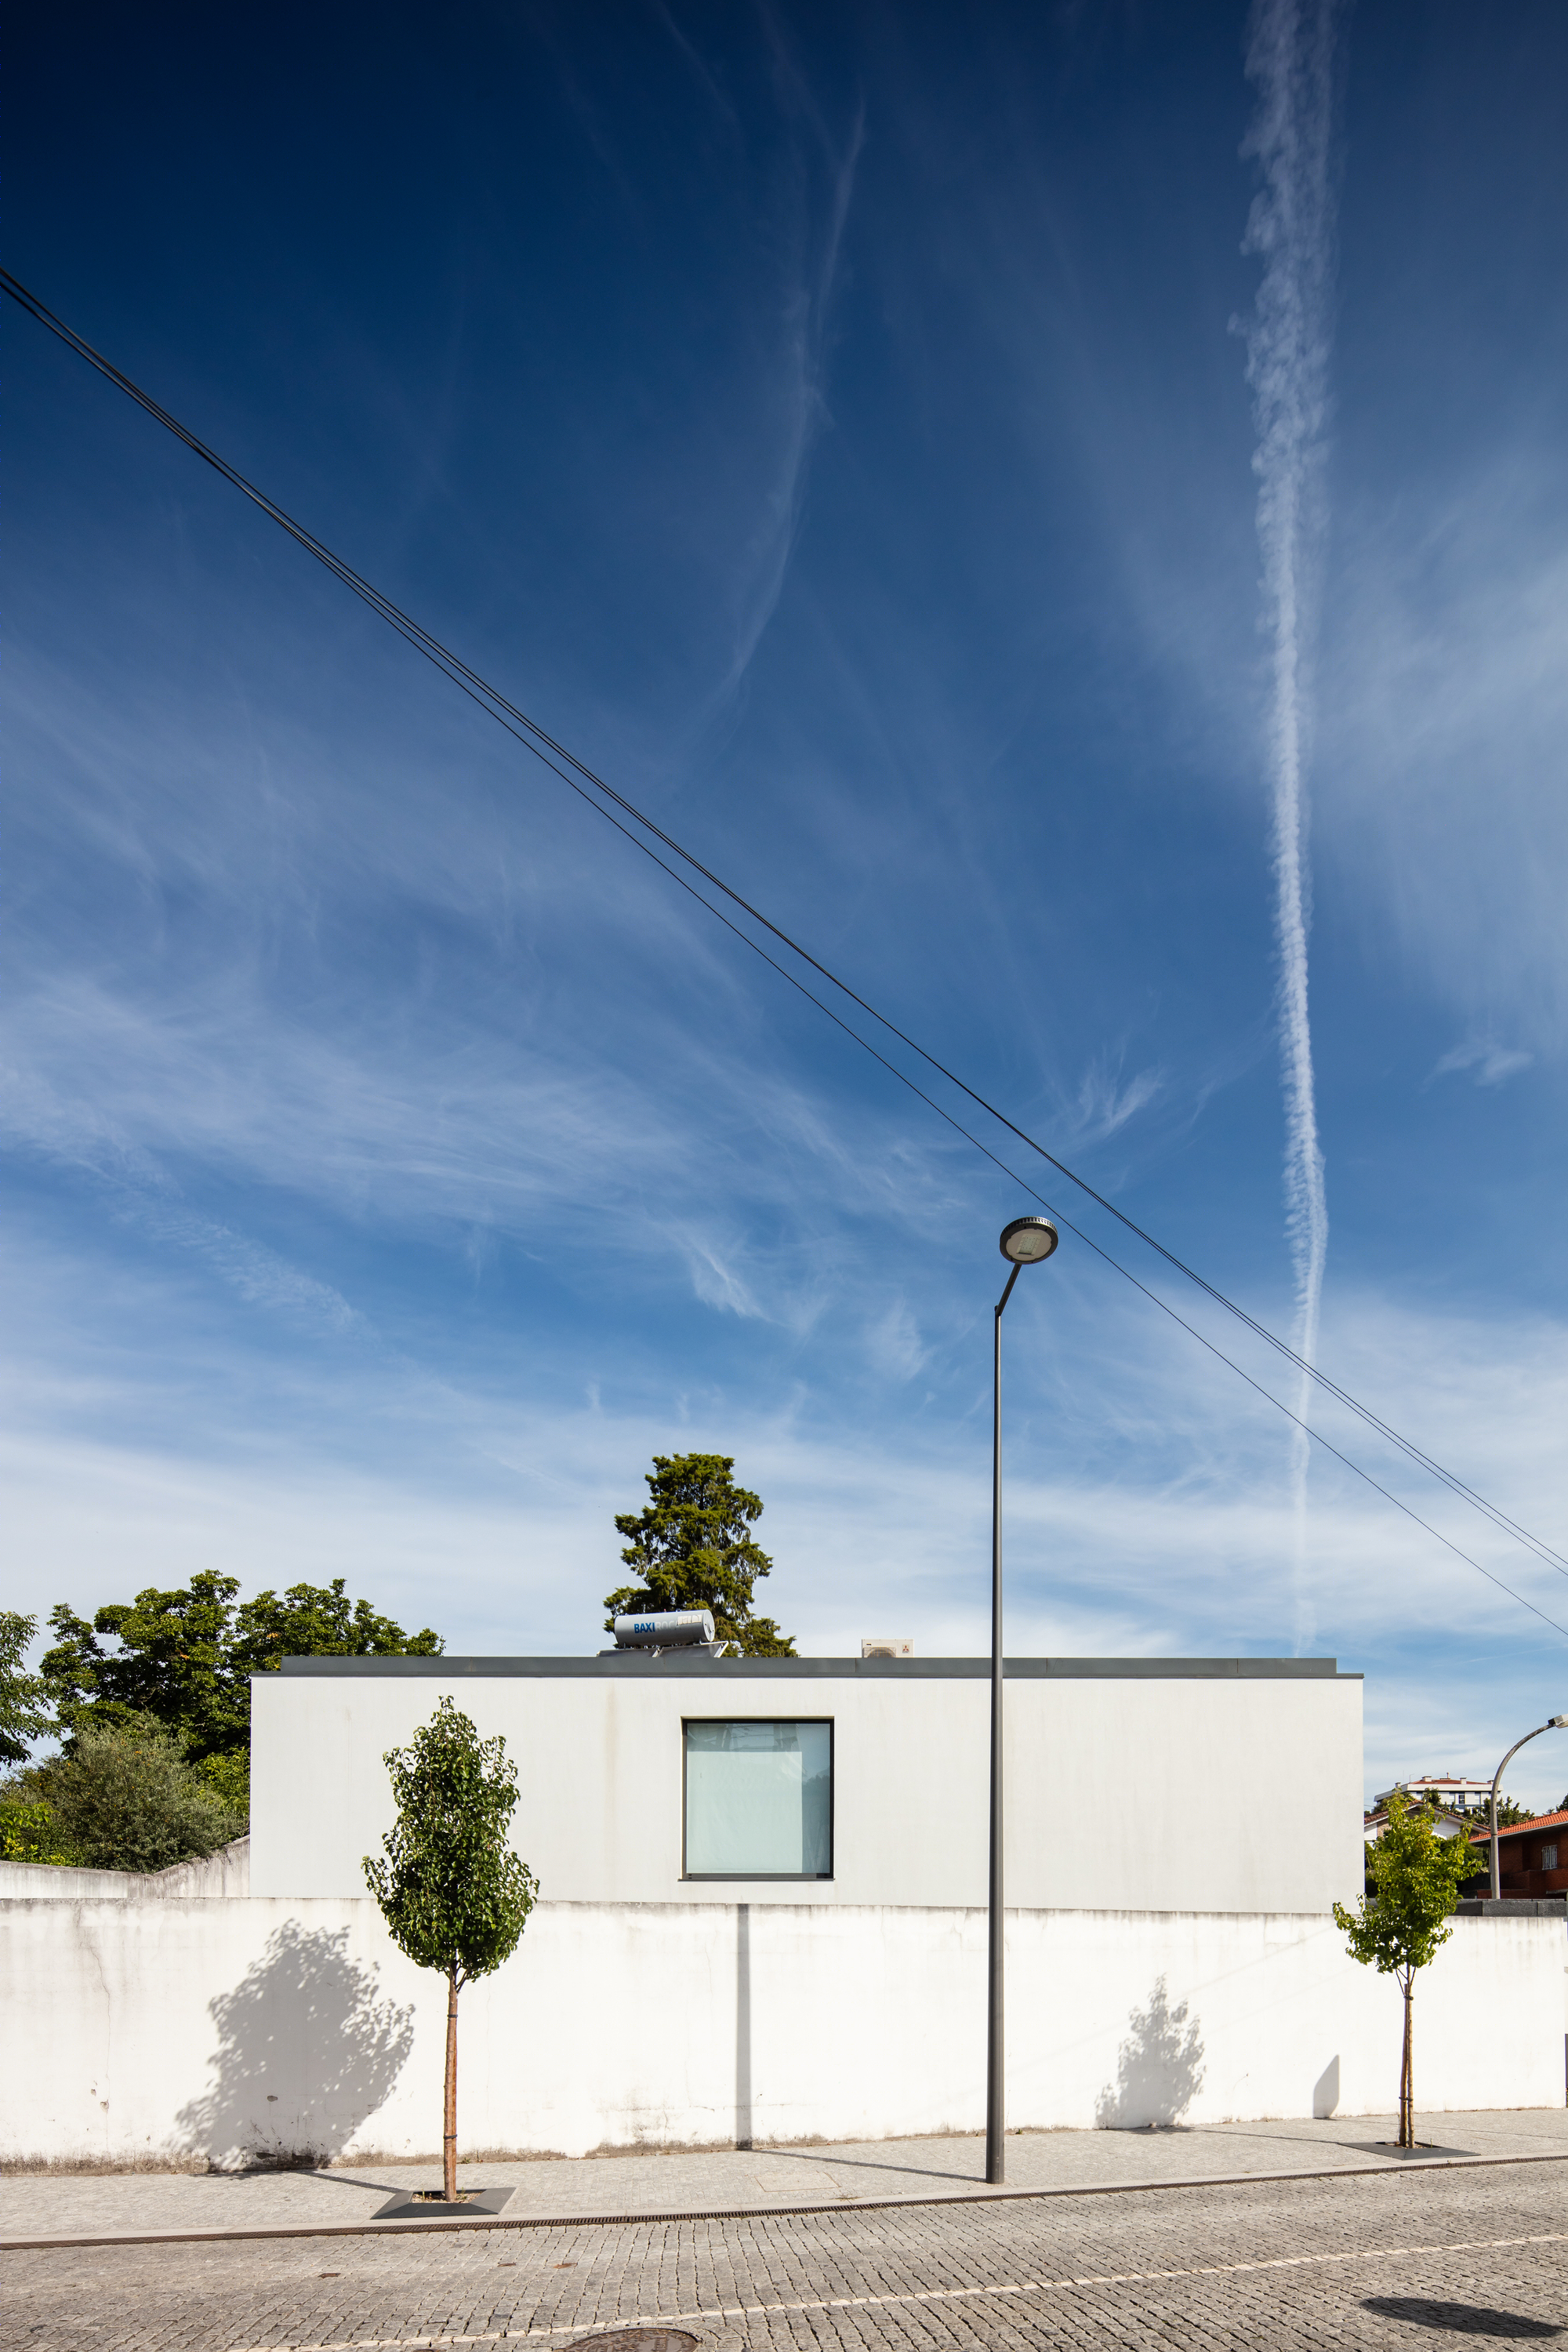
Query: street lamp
{"points": [[1026, 1242], [1552, 1723]]}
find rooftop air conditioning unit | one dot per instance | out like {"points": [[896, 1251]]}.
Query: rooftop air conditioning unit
{"points": [[887, 1645], [665, 1629]]}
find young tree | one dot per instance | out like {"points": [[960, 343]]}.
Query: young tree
{"points": [[691, 1546], [1415, 1877], [24, 1698], [453, 1894]]}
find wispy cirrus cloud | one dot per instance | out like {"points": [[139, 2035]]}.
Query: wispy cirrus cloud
{"points": [[798, 400], [1107, 1101], [1489, 1062], [1446, 767]]}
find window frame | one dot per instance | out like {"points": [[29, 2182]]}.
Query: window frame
{"points": [[767, 1877]]}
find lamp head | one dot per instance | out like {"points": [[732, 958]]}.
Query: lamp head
{"points": [[1558, 1723], [1028, 1240]]}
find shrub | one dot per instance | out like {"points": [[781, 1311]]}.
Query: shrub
{"points": [[127, 1800]]}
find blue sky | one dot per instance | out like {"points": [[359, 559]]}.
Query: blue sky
{"points": [[834, 424]]}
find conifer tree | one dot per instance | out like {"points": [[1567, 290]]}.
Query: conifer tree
{"points": [[692, 1548]]}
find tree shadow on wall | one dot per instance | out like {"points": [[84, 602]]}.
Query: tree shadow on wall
{"points": [[1159, 2068], [306, 2050]]}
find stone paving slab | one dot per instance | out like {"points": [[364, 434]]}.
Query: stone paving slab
{"points": [[1389, 2258], [724, 2180]]}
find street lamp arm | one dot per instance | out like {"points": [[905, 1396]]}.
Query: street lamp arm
{"points": [[1552, 1723], [1007, 1294]]}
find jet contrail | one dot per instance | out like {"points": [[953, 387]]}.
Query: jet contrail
{"points": [[1291, 59]]}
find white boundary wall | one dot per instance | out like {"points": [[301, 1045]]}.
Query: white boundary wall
{"points": [[227, 1871], [259, 2027]]}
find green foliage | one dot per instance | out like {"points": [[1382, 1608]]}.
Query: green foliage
{"points": [[691, 1546], [1413, 1876], [126, 1799], [170, 1665], [185, 1659], [452, 1892], [316, 1620], [228, 1778], [1507, 1813], [28, 1831], [25, 1712]]}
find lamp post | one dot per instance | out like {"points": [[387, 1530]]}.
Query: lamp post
{"points": [[1552, 1723], [1026, 1242]]}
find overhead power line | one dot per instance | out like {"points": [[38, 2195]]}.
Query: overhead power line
{"points": [[603, 797]]}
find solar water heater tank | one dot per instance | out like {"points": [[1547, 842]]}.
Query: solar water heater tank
{"points": [[664, 1629]]}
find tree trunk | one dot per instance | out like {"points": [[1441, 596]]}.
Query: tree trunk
{"points": [[1407, 2070], [449, 2119]]}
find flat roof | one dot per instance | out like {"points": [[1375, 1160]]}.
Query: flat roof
{"points": [[639, 1663]]}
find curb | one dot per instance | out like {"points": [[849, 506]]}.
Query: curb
{"points": [[1378, 2168]]}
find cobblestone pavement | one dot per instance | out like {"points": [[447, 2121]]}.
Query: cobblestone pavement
{"points": [[724, 2179], [1371, 2259]]}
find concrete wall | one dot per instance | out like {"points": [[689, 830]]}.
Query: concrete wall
{"points": [[1146, 1785], [263, 2028], [225, 1872]]}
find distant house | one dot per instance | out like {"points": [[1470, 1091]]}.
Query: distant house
{"points": [[1448, 1825], [1446, 1790], [1532, 1855]]}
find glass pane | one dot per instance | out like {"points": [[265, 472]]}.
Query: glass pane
{"points": [[759, 1799]]}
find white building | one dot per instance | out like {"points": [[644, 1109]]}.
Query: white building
{"points": [[682, 1778], [1449, 1790]]}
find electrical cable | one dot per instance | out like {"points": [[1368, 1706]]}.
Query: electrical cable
{"points": [[550, 752]]}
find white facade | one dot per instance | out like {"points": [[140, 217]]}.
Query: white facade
{"points": [[256, 2029], [1216, 1785], [1449, 1790]]}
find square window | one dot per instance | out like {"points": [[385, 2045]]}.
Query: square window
{"points": [[759, 1799]]}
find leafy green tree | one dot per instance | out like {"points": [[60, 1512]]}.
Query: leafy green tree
{"points": [[171, 1661], [185, 1659], [1414, 1877], [126, 1799], [24, 1712], [454, 1895], [692, 1548], [317, 1620]]}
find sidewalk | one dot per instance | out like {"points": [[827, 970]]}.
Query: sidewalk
{"points": [[70, 2206]]}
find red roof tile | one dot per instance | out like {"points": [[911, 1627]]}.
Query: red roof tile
{"points": [[1520, 1829]]}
